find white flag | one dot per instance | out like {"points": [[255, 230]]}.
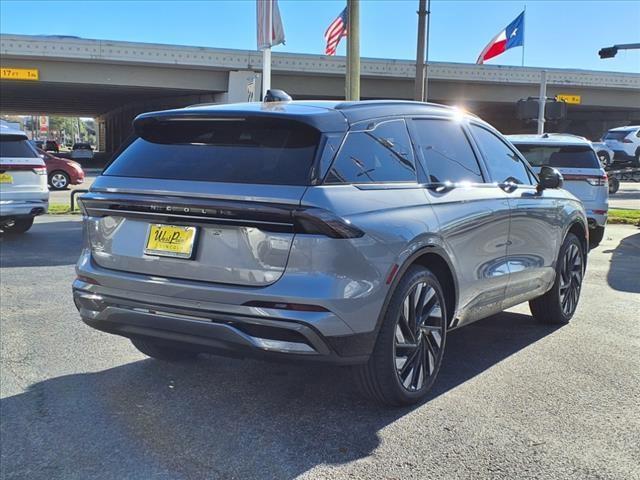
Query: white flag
{"points": [[268, 11]]}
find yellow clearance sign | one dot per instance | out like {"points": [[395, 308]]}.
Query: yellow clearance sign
{"points": [[19, 73], [573, 99]]}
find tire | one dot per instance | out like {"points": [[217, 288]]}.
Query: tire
{"points": [[595, 237], [20, 225], [558, 305], [58, 180], [636, 162], [162, 352], [614, 185], [395, 373]]}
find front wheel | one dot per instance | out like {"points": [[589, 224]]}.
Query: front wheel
{"points": [[409, 348], [59, 180], [558, 305]]}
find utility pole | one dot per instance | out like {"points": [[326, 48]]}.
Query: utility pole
{"points": [[542, 101], [418, 94], [353, 50]]}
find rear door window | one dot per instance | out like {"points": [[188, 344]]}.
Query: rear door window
{"points": [[503, 163], [12, 146], [617, 135], [382, 154], [264, 151], [446, 152], [570, 156]]}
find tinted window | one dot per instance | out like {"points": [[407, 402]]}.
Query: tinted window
{"points": [[17, 147], [617, 135], [380, 155], [446, 151], [502, 162], [266, 151], [79, 146], [560, 157]]}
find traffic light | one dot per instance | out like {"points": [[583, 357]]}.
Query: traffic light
{"points": [[608, 52]]}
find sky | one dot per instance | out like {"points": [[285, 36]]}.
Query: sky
{"points": [[562, 34]]}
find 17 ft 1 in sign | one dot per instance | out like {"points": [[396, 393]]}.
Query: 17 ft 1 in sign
{"points": [[7, 73]]}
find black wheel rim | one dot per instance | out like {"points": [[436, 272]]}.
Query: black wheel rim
{"points": [[571, 272], [419, 337]]}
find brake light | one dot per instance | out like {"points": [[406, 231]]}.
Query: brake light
{"points": [[40, 170], [599, 181]]}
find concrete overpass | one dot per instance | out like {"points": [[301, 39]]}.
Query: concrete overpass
{"points": [[114, 81]]}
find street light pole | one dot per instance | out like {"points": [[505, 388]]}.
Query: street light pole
{"points": [[353, 50], [418, 94], [542, 101]]}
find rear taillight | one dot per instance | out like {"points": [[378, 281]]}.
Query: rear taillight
{"points": [[40, 170], [599, 181]]}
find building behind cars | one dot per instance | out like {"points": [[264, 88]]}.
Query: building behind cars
{"points": [[23, 182], [583, 174]]}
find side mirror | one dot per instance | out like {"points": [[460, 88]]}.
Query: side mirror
{"points": [[549, 177]]}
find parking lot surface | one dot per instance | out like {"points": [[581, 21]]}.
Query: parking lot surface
{"points": [[514, 399]]}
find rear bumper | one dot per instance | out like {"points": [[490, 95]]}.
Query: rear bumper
{"points": [[230, 330], [22, 208]]}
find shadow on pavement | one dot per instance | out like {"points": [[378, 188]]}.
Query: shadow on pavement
{"points": [[46, 244], [221, 418], [625, 265]]}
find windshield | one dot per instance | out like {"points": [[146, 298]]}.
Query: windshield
{"points": [[571, 156]]}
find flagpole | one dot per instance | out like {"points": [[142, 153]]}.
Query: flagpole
{"points": [[266, 53], [353, 50], [525, 31]]}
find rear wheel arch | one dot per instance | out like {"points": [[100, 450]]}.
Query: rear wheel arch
{"points": [[579, 230], [437, 261]]}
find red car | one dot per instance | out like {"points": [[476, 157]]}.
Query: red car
{"points": [[61, 172]]}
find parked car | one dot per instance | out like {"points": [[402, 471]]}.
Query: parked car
{"points": [[584, 176], [23, 182], [82, 151], [62, 172], [356, 233], [625, 142]]}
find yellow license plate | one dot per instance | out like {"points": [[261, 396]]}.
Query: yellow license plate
{"points": [[6, 178], [171, 241]]}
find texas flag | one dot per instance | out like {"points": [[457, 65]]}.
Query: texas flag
{"points": [[512, 36]]}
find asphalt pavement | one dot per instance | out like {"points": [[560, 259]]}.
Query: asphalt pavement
{"points": [[514, 399]]}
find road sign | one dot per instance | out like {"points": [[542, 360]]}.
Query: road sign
{"points": [[572, 99], [19, 73], [44, 123]]}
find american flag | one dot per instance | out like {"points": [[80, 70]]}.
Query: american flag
{"points": [[335, 32]]}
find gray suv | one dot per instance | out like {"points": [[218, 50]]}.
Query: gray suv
{"points": [[358, 233]]}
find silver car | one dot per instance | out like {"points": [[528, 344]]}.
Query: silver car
{"points": [[358, 233], [577, 161]]}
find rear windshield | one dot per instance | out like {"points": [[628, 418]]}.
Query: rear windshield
{"points": [[78, 146], [17, 147], [265, 151], [573, 156], [617, 135]]}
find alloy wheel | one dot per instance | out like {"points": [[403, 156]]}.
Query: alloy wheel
{"points": [[571, 272], [58, 181], [419, 337]]}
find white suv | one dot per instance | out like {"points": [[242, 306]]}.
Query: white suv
{"points": [[625, 143], [23, 182], [578, 163]]}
